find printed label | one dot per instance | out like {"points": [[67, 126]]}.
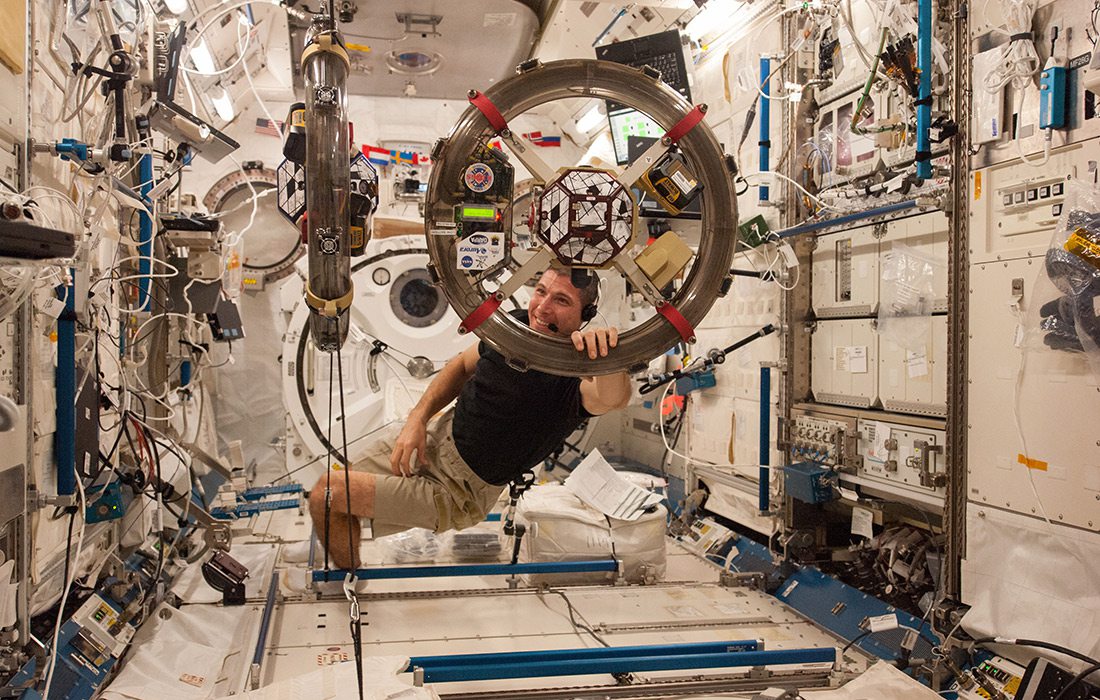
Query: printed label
{"points": [[480, 251]]}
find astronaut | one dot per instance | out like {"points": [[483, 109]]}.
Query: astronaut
{"points": [[445, 469]]}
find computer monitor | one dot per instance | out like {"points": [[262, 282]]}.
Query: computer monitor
{"points": [[631, 123]]}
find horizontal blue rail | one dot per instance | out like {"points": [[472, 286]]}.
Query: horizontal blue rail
{"points": [[246, 510], [257, 492], [585, 653], [548, 567], [491, 668], [847, 219]]}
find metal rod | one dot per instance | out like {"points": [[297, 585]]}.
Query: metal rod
{"points": [[765, 121], [846, 219], [765, 438], [550, 567], [586, 653], [663, 662], [65, 392], [924, 107], [145, 233], [265, 624]]}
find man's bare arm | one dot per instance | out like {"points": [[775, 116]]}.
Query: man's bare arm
{"points": [[444, 389], [609, 392]]}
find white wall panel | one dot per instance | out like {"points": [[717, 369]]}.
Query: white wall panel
{"points": [[840, 376], [914, 379], [1059, 403]]}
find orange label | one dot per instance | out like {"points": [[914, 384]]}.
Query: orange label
{"points": [[1032, 463], [978, 185]]}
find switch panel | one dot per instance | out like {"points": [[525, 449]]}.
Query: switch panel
{"points": [[825, 439], [845, 362], [903, 458]]}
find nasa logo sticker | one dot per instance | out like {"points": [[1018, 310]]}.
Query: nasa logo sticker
{"points": [[478, 177], [467, 261]]}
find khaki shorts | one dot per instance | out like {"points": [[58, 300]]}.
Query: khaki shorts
{"points": [[444, 495]]}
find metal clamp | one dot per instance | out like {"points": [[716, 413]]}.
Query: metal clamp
{"points": [[928, 477]]}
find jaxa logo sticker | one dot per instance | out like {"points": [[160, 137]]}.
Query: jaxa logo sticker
{"points": [[478, 177]]}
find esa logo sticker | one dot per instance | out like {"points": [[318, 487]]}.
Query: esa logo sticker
{"points": [[478, 177]]}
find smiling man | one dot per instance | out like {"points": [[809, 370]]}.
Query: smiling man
{"points": [[446, 471]]}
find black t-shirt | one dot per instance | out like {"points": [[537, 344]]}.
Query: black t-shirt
{"points": [[508, 421]]}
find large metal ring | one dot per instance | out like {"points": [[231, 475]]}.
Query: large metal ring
{"points": [[521, 346]]}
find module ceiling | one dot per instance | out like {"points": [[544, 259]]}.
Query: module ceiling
{"points": [[432, 48]]}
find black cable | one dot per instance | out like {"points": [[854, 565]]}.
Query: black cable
{"points": [[1063, 694], [573, 619], [1038, 644], [356, 623], [855, 641]]}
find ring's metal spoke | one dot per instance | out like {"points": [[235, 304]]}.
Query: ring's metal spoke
{"points": [[538, 262], [643, 162], [525, 153], [626, 265]]}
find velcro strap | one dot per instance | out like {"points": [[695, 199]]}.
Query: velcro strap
{"points": [[673, 316], [489, 110], [926, 100], [765, 144], [330, 308], [687, 123], [1022, 36], [923, 156], [481, 313]]}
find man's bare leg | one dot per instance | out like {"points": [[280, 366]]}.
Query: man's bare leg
{"points": [[341, 524]]}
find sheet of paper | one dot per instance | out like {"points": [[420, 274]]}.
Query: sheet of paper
{"points": [[8, 594], [601, 487], [862, 520], [917, 363], [878, 451], [841, 364], [857, 359]]}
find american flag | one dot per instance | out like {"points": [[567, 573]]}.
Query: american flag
{"points": [[269, 127]]}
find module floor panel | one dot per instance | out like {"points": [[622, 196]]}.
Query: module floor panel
{"points": [[306, 634]]}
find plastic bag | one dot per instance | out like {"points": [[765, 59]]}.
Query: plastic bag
{"points": [[417, 545], [907, 296], [1066, 315]]}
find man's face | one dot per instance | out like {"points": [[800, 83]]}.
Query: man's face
{"points": [[556, 302]]}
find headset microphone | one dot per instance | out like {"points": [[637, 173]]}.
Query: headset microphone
{"points": [[553, 327]]}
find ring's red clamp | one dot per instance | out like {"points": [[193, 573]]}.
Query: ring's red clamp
{"points": [[489, 110], [480, 314], [687, 123], [673, 316]]}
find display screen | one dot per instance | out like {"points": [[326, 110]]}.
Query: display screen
{"points": [[479, 213], [627, 124]]}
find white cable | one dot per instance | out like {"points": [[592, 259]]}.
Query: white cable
{"points": [[664, 438], [1040, 162], [803, 190], [255, 93], [1018, 62], [73, 567], [1016, 393]]}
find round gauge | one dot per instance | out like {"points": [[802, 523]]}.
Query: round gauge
{"points": [[380, 276], [271, 244]]}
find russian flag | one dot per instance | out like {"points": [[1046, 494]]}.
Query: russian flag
{"points": [[377, 156], [537, 138]]}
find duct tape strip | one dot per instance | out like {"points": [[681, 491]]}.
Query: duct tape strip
{"points": [[687, 123], [673, 316], [480, 314], [489, 110], [330, 308]]}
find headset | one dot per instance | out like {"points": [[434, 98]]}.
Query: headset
{"points": [[581, 278]]}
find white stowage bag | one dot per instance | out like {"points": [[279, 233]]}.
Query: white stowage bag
{"points": [[562, 528]]}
